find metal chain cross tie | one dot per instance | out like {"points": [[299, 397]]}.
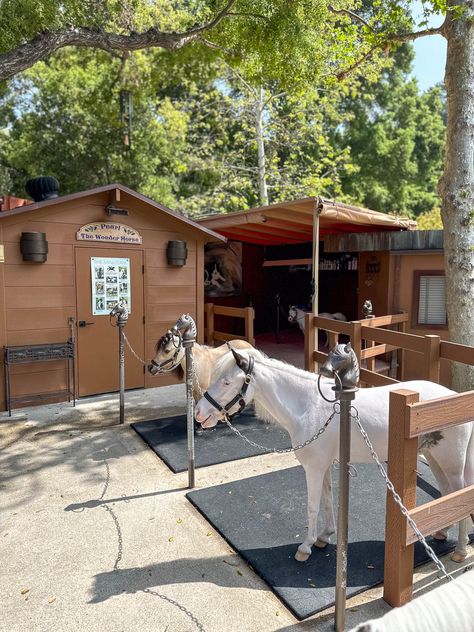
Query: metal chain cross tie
{"points": [[133, 352], [119, 556], [317, 434], [391, 488]]}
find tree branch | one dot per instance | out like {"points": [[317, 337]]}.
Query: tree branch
{"points": [[351, 14], [399, 38], [45, 43]]}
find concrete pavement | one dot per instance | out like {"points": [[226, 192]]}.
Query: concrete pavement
{"points": [[96, 532]]}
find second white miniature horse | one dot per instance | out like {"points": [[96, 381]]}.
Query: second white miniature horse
{"points": [[297, 315], [290, 396]]}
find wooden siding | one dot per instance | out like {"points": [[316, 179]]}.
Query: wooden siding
{"points": [[37, 299]]}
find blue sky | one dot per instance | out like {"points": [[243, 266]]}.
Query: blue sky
{"points": [[430, 55]]}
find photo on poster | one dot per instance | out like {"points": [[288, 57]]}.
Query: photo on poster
{"points": [[110, 280], [223, 269]]}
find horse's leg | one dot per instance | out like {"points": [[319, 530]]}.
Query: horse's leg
{"points": [[327, 506], [453, 474], [314, 483], [460, 552], [442, 481]]}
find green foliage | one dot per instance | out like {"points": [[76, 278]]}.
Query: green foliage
{"points": [[396, 139], [430, 220], [64, 120]]}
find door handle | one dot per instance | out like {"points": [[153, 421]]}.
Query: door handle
{"points": [[82, 323]]}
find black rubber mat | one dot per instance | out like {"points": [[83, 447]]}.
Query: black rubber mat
{"points": [[264, 519], [167, 438]]}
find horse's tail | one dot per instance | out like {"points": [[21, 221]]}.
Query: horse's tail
{"points": [[469, 467]]}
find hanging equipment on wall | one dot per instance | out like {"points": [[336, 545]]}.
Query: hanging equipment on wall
{"points": [[176, 253], [34, 247]]}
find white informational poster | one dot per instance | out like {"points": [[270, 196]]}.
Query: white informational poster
{"points": [[110, 284]]}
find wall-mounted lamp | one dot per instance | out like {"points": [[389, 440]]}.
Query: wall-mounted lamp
{"points": [[34, 247], [176, 253], [114, 210]]}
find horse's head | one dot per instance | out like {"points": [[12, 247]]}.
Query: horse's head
{"points": [[292, 314], [169, 353], [230, 393], [343, 361]]}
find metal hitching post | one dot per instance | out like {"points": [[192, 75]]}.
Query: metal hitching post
{"points": [[187, 328], [121, 313], [345, 397], [342, 365], [190, 410]]}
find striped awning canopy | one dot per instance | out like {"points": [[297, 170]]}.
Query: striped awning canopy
{"points": [[292, 222]]}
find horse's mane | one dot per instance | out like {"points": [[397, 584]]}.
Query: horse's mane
{"points": [[165, 338], [227, 364]]}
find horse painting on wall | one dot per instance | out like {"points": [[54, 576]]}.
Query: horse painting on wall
{"points": [[223, 269]]}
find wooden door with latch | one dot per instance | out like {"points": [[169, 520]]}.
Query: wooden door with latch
{"points": [[103, 277]]}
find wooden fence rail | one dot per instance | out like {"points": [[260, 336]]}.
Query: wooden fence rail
{"points": [[409, 418], [370, 339], [363, 334], [246, 313]]}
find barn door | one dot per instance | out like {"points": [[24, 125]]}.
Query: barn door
{"points": [[103, 276]]}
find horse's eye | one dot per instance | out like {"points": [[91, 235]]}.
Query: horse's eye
{"points": [[226, 381]]}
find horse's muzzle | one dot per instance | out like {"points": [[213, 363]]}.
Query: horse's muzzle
{"points": [[153, 368]]}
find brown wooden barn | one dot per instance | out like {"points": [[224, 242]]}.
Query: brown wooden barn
{"points": [[104, 244], [359, 254]]}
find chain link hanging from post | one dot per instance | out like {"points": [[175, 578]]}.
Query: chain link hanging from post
{"points": [[120, 313], [391, 488]]}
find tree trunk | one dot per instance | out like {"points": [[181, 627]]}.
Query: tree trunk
{"points": [[261, 173], [457, 185]]}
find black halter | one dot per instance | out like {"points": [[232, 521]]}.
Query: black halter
{"points": [[238, 398]]}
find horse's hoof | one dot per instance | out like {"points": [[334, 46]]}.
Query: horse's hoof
{"points": [[301, 557], [440, 535], [458, 557], [321, 544]]}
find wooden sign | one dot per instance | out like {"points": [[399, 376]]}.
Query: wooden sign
{"points": [[109, 231]]}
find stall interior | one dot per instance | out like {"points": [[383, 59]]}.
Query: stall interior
{"points": [[276, 277]]}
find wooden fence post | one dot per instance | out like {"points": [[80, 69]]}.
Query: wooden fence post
{"points": [[310, 342], [210, 324], [402, 455], [249, 318], [431, 358]]}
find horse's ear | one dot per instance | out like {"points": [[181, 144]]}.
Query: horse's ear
{"points": [[348, 347], [240, 360]]}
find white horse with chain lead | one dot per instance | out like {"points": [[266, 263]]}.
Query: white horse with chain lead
{"points": [[289, 395]]}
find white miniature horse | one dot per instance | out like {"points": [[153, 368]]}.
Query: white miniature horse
{"points": [[290, 396], [297, 315]]}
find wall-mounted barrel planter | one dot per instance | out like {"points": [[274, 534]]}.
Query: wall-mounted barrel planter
{"points": [[34, 247], [176, 253]]}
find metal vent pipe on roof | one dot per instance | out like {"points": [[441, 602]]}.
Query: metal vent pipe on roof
{"points": [[42, 188]]}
